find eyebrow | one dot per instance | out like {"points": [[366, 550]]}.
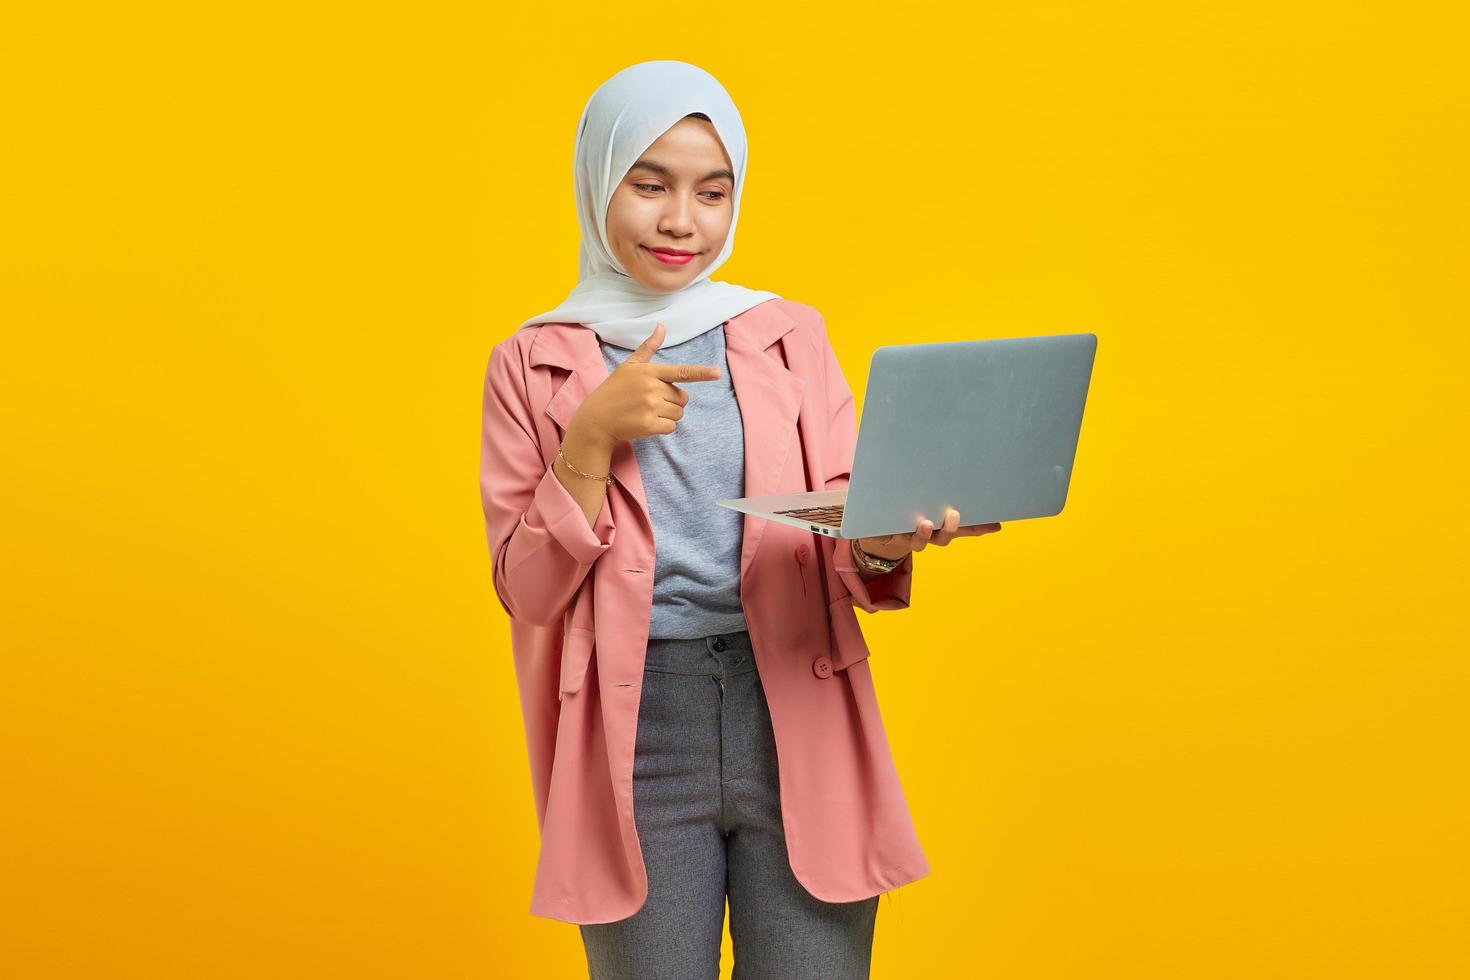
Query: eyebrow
{"points": [[659, 168]]}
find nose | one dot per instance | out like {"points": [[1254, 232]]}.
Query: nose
{"points": [[678, 218]]}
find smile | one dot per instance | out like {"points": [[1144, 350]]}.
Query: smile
{"points": [[669, 258]]}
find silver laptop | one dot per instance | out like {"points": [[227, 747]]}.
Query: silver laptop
{"points": [[988, 427]]}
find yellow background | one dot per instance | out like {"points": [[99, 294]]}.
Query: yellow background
{"points": [[258, 714]]}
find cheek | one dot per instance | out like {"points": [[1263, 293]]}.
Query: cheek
{"points": [[626, 224], [717, 227], [618, 210]]}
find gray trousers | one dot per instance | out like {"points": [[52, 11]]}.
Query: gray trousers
{"points": [[707, 806]]}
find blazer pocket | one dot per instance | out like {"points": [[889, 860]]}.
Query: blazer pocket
{"points": [[576, 655], [848, 644]]}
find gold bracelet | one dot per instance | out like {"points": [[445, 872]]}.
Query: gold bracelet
{"points": [[608, 479]]}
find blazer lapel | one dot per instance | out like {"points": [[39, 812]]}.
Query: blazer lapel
{"points": [[770, 401], [768, 394]]}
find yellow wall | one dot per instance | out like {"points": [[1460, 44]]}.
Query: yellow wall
{"points": [[258, 714]]}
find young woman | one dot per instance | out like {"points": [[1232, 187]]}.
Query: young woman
{"points": [[700, 718]]}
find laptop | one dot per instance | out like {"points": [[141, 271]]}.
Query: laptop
{"points": [[988, 427]]}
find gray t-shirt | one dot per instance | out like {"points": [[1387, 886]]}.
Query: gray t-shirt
{"points": [[696, 582]]}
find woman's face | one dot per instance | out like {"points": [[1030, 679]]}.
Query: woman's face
{"points": [[677, 197]]}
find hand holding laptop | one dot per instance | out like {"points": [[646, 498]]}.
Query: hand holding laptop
{"points": [[898, 546]]}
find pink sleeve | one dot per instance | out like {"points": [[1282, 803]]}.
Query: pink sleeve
{"points": [[890, 590], [540, 543]]}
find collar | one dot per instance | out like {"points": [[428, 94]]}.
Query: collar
{"points": [[574, 346]]}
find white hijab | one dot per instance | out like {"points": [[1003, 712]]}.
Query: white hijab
{"points": [[622, 119]]}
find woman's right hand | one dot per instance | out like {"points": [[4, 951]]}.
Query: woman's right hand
{"points": [[638, 398]]}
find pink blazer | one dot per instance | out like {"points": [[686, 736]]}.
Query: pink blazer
{"points": [[580, 599]]}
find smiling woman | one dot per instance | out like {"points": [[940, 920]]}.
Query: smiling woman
{"points": [[670, 215], [665, 647], [658, 167]]}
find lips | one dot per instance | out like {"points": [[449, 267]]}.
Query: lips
{"points": [[670, 256]]}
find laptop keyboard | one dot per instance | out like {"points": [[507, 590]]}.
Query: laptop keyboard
{"points": [[830, 515]]}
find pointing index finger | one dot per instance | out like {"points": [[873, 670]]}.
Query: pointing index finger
{"points": [[686, 372]]}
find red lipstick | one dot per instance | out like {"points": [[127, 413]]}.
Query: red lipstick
{"points": [[671, 256]]}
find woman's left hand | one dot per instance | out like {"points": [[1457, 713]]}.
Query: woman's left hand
{"points": [[895, 546]]}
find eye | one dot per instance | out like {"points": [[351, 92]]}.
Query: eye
{"points": [[718, 195]]}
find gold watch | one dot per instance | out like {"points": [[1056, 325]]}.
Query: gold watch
{"points": [[872, 563]]}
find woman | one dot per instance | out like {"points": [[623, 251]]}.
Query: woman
{"points": [[700, 718]]}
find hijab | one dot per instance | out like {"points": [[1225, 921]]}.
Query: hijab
{"points": [[624, 116]]}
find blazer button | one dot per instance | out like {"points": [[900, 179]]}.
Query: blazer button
{"points": [[822, 667], [803, 553]]}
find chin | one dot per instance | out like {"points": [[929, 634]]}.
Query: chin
{"points": [[664, 286], [672, 278]]}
